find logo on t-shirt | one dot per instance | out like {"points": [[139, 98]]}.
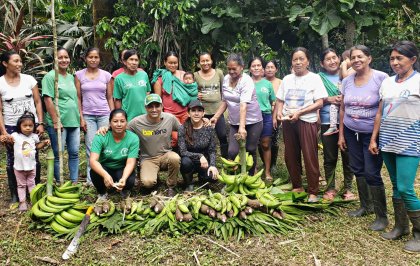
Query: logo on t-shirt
{"points": [[124, 152], [107, 152], [264, 90], [141, 83], [153, 132]]}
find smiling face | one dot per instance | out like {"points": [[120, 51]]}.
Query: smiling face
{"points": [[359, 60], [196, 114], [331, 63], [188, 78], [63, 60], [256, 68], [270, 70], [93, 59], [132, 63], [154, 110], [300, 63], [14, 65], [401, 64], [118, 123], [171, 63], [234, 70], [206, 62]]}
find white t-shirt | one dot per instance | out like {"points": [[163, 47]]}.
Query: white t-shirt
{"points": [[17, 100], [24, 150], [298, 92]]}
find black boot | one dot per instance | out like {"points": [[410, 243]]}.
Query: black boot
{"points": [[379, 207], [11, 179], [224, 150], [364, 197], [188, 180], [274, 154], [413, 245], [401, 227]]}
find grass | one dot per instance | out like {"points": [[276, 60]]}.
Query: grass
{"points": [[323, 238]]}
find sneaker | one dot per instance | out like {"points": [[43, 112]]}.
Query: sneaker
{"points": [[331, 131], [23, 206]]}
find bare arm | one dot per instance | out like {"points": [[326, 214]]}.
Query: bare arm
{"points": [[117, 104], [157, 88], [341, 140], [109, 93], [79, 102], [220, 111], [38, 106], [373, 146], [2, 127], [51, 110], [242, 115]]}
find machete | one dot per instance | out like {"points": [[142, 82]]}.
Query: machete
{"points": [[72, 248]]}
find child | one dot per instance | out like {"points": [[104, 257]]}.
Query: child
{"points": [[25, 144], [188, 78]]}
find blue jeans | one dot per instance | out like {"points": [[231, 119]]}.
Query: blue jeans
{"points": [[93, 123], [70, 136], [362, 162], [402, 172]]}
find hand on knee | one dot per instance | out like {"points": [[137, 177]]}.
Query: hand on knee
{"points": [[148, 183]]}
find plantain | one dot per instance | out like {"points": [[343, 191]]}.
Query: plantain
{"points": [[59, 219], [111, 210], [59, 228], [252, 179], [43, 206], [67, 195], [39, 213], [37, 193], [70, 217], [57, 200]]}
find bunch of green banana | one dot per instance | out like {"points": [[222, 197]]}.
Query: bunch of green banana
{"points": [[37, 192], [268, 200], [242, 183], [234, 166]]}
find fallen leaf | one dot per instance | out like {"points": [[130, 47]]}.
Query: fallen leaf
{"points": [[115, 242], [47, 259]]}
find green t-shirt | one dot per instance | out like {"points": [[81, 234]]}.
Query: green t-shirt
{"points": [[265, 95], [131, 90], [67, 98], [114, 155], [211, 91]]}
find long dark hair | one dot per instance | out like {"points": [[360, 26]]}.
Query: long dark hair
{"points": [[26, 116], [188, 126], [5, 57], [408, 49], [170, 53]]}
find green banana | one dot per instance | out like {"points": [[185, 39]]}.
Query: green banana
{"points": [[228, 179], [36, 193], [228, 162], [47, 220], [183, 208], [55, 206], [57, 200], [76, 213], [59, 228], [139, 207], [59, 219], [43, 206], [67, 195], [68, 189], [252, 179], [70, 217], [39, 213], [235, 201], [111, 210], [133, 207]]}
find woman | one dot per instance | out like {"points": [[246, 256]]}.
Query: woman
{"points": [[209, 82], [18, 93], [95, 96], [197, 147], [266, 98], [360, 103], [113, 156], [70, 114], [299, 97], [270, 71], [240, 99], [397, 123], [330, 63], [168, 84]]}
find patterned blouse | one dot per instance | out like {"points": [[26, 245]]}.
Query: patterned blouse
{"points": [[203, 140]]}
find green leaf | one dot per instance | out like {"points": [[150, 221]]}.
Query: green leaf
{"points": [[349, 3], [324, 22], [297, 10], [363, 21], [210, 23]]}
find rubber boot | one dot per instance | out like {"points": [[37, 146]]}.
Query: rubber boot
{"points": [[11, 179], [224, 150], [379, 207], [188, 178], [401, 227], [413, 245], [274, 154], [364, 197]]}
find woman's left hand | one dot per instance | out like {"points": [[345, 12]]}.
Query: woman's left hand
{"points": [[40, 130], [242, 132], [120, 185], [83, 125], [204, 163], [373, 148], [213, 172], [295, 116]]}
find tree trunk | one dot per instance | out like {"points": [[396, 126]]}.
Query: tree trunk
{"points": [[56, 93], [100, 9], [325, 44], [350, 33]]}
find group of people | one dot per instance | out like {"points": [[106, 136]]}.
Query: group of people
{"points": [[171, 123]]}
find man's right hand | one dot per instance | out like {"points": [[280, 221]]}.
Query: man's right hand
{"points": [[102, 131], [109, 183]]}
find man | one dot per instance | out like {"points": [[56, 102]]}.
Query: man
{"points": [[154, 130]]}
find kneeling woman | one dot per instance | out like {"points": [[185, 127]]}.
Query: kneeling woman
{"points": [[113, 156], [197, 146]]}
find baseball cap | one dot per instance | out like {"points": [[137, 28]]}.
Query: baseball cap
{"points": [[152, 98], [195, 103]]}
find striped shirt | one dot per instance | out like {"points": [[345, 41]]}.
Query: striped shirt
{"points": [[400, 124]]}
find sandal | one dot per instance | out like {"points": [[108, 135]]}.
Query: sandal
{"points": [[322, 181], [313, 198], [349, 196], [330, 195]]}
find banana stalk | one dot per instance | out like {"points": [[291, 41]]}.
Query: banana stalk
{"points": [[50, 172], [242, 155]]}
